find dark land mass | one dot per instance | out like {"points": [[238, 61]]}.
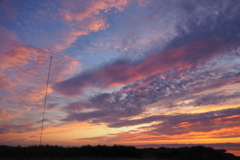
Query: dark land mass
{"points": [[116, 151]]}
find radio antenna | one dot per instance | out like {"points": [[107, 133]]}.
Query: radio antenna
{"points": [[45, 100]]}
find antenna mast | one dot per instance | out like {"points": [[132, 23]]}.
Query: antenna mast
{"points": [[45, 99]]}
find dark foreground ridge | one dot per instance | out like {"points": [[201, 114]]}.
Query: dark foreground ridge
{"points": [[183, 153]]}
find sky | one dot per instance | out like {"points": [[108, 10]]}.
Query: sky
{"points": [[130, 72]]}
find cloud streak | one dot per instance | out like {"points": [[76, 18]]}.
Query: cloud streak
{"points": [[132, 98], [120, 73], [187, 68], [201, 119], [199, 43], [130, 71], [84, 18]]}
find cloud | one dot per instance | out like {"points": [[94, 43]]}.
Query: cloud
{"points": [[6, 115], [14, 56], [187, 123], [92, 24], [5, 128], [195, 63], [15, 53], [23, 75], [209, 125], [118, 74], [7, 37], [8, 10], [51, 106], [5, 83], [84, 18], [138, 136], [214, 99], [195, 84], [3, 112], [196, 43], [91, 8], [26, 65], [177, 145]]}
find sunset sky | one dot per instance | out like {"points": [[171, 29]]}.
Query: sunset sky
{"points": [[131, 72]]}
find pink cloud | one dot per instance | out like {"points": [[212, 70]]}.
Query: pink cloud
{"points": [[93, 24], [6, 115], [86, 18], [96, 24], [5, 83], [25, 65], [116, 74], [142, 3], [3, 112], [32, 75], [91, 8]]}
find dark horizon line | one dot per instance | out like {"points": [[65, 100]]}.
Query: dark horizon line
{"points": [[173, 145]]}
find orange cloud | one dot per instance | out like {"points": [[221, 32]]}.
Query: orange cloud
{"points": [[5, 115], [97, 24], [3, 112], [226, 135]]}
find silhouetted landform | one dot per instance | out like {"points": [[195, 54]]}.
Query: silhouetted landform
{"points": [[177, 145], [183, 153]]}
